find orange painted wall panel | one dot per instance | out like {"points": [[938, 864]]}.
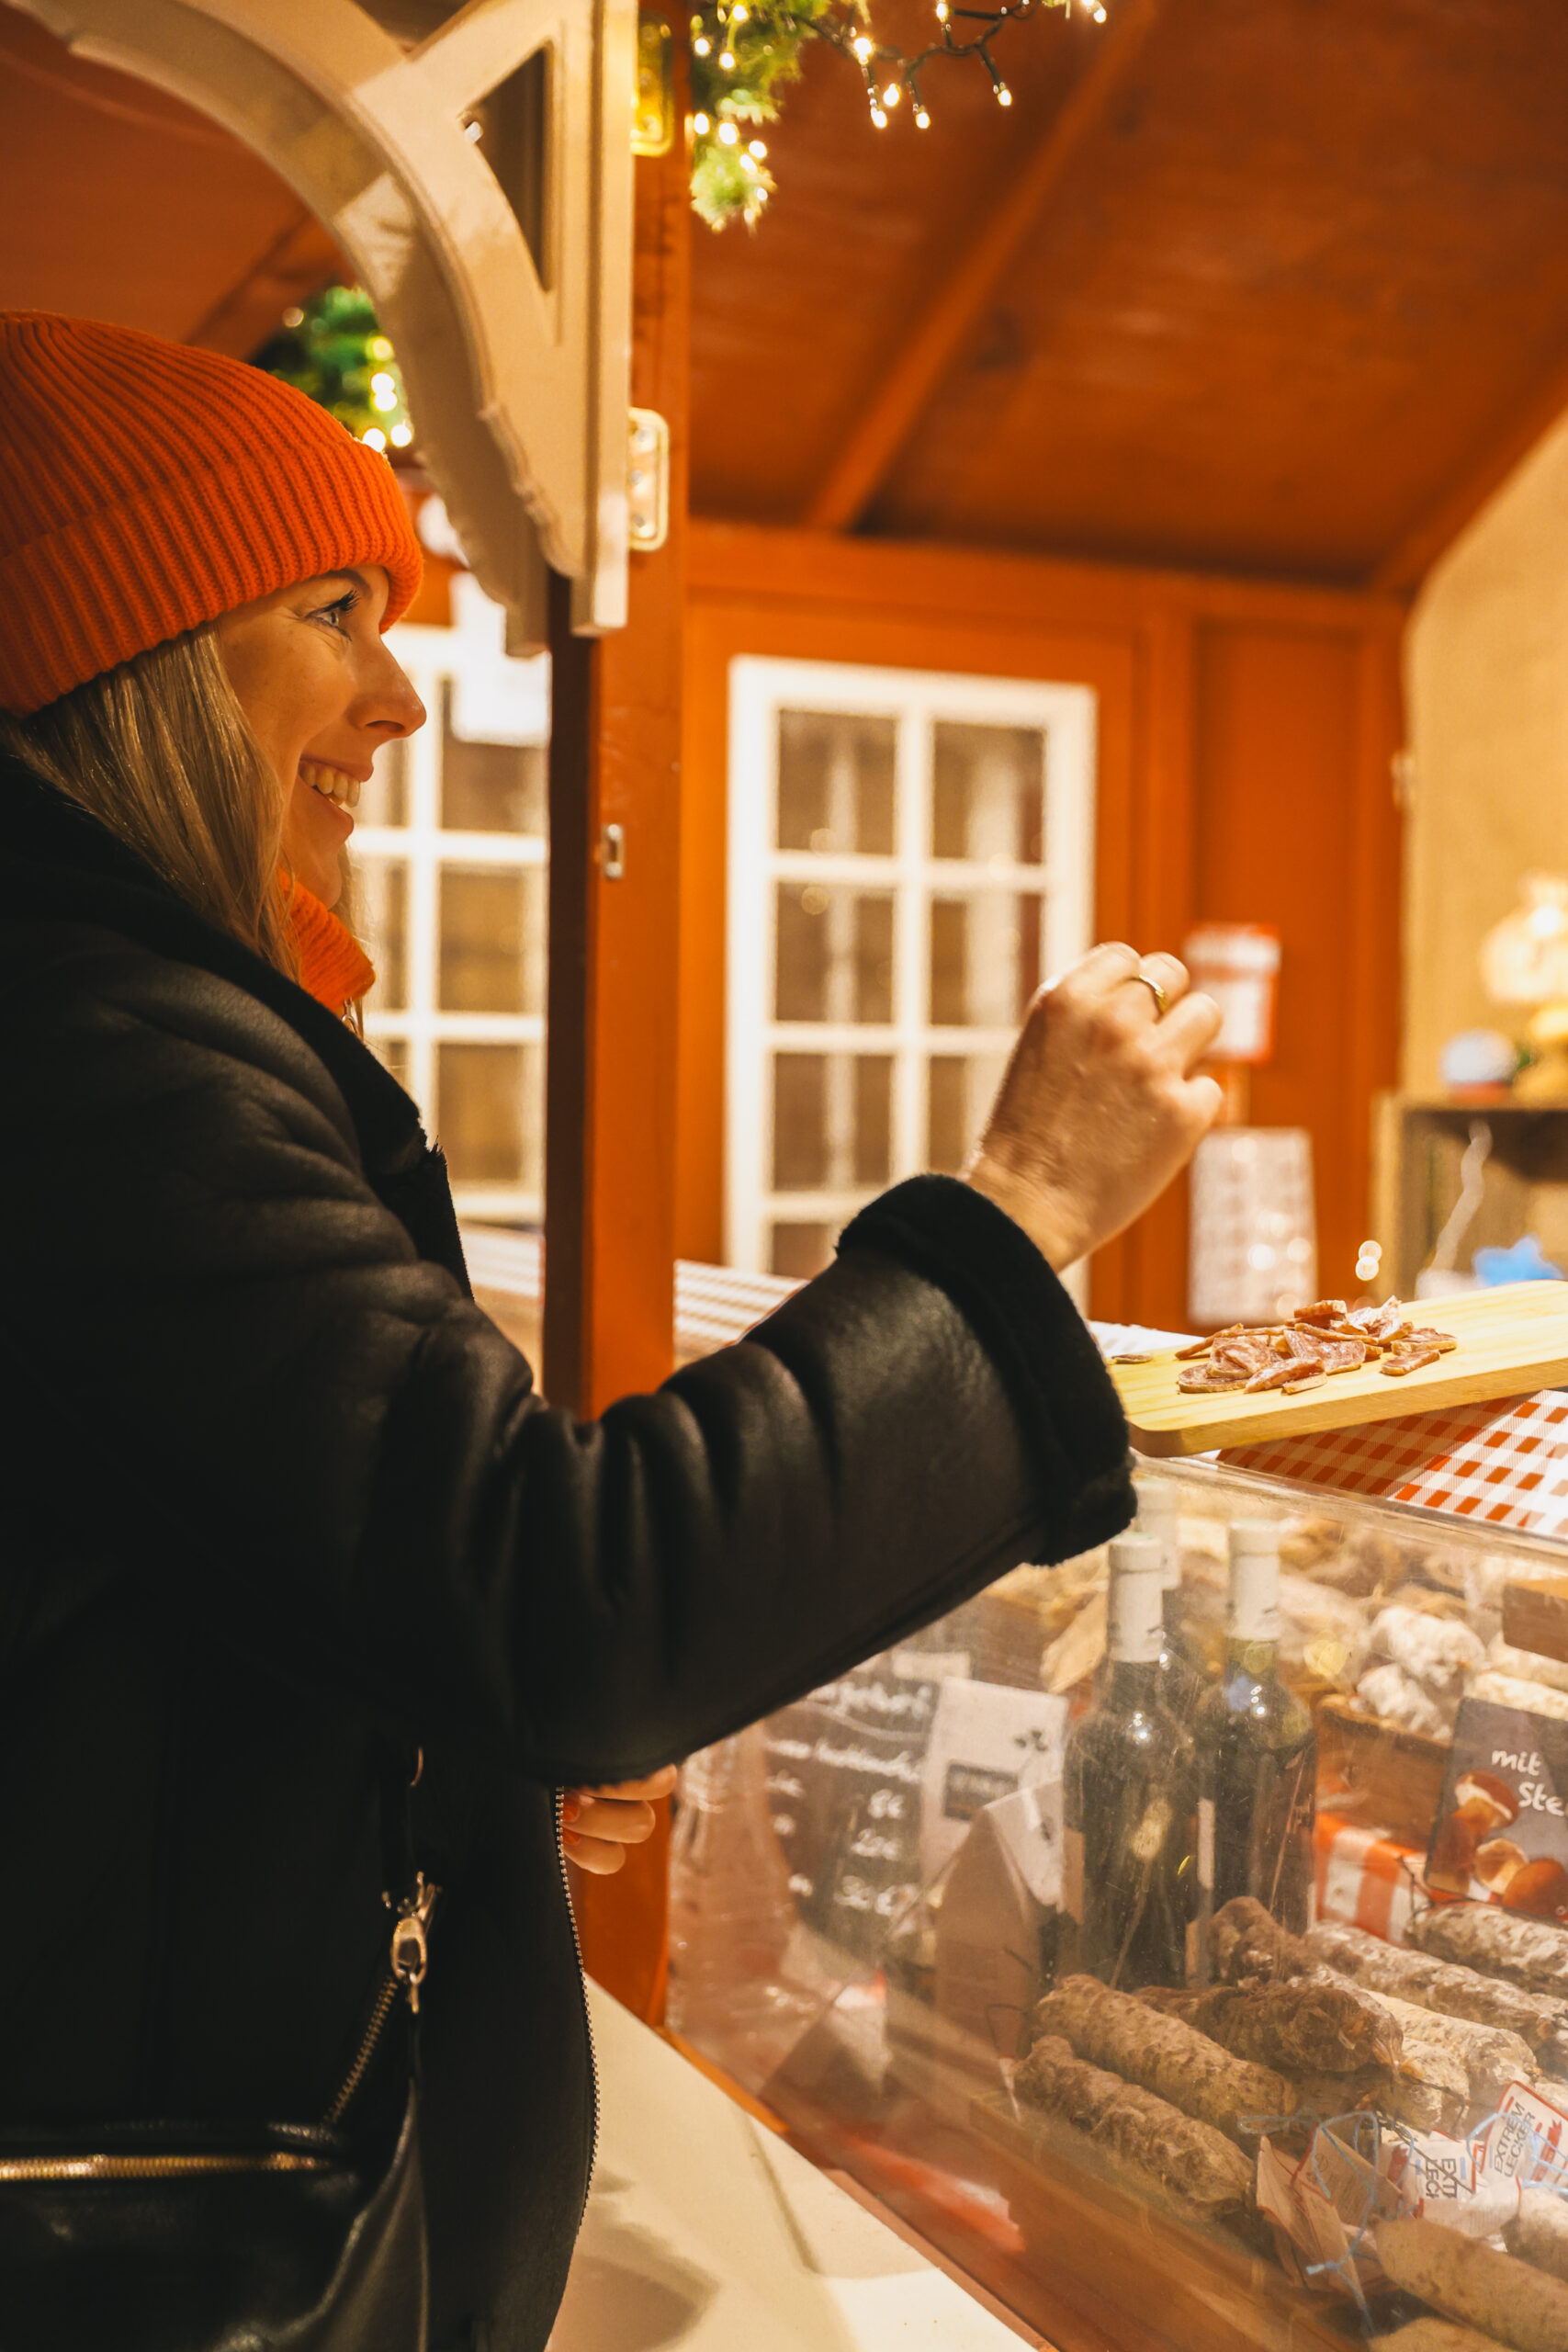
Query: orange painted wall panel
{"points": [[1245, 732], [1274, 837]]}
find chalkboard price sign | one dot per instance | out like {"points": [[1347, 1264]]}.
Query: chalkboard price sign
{"points": [[844, 1771]]}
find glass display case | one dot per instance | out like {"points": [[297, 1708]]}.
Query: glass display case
{"points": [[1178, 1938]]}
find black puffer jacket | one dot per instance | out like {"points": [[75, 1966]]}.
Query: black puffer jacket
{"points": [[274, 1490]]}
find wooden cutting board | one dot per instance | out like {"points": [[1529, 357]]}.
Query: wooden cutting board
{"points": [[1512, 1342]]}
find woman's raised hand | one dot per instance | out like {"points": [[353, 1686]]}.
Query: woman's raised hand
{"points": [[598, 1824], [1098, 1110], [1097, 1113]]}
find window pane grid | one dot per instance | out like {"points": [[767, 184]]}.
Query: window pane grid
{"points": [[457, 903], [456, 849], [849, 1037], [898, 856], [884, 872], [468, 1028]]}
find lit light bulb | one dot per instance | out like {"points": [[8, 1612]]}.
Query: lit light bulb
{"points": [[891, 95], [701, 46], [862, 47], [1004, 95], [374, 438], [1099, 15], [382, 382], [386, 400], [294, 317], [729, 135], [726, 61], [401, 435], [739, 13], [942, 12], [701, 125], [757, 149], [379, 348], [879, 117], [922, 120]]}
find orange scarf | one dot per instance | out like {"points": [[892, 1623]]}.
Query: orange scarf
{"points": [[333, 967]]}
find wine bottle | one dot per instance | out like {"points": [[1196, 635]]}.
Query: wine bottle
{"points": [[1256, 1756], [1182, 1679], [1128, 1798]]}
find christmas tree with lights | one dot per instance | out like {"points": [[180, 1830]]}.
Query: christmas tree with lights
{"points": [[332, 349]]}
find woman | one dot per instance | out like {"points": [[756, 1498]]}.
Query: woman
{"points": [[278, 1501]]}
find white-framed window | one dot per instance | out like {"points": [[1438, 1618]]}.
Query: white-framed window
{"points": [[450, 858], [909, 855]]}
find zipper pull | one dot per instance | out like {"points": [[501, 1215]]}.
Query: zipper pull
{"points": [[411, 1941]]}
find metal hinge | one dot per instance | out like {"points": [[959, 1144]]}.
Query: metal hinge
{"points": [[653, 110], [648, 480]]}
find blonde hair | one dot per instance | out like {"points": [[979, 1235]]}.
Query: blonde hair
{"points": [[161, 753]]}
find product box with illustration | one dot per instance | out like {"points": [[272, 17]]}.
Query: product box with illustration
{"points": [[1501, 1833]]}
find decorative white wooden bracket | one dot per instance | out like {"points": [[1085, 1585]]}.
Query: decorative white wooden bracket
{"points": [[518, 375]]}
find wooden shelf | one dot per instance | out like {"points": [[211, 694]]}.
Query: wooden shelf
{"points": [[1418, 1141], [1535, 1615]]}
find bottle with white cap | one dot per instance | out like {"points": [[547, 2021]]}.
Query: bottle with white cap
{"points": [[1256, 1757], [1128, 1798], [1182, 1678]]}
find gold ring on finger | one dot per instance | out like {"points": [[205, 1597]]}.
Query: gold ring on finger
{"points": [[1162, 1001]]}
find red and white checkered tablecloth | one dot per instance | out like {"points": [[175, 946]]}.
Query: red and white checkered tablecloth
{"points": [[1505, 1465], [1364, 1878]]}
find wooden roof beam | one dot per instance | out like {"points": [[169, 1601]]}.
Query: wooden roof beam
{"points": [[1405, 566], [927, 352], [296, 266]]}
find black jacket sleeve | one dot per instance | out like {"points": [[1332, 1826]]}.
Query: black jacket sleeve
{"points": [[345, 1467]]}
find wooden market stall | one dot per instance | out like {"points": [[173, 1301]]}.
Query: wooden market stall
{"points": [[1171, 379]]}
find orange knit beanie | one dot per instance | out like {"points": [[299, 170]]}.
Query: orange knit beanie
{"points": [[146, 487]]}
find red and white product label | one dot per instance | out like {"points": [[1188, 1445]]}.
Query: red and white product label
{"points": [[1527, 2141]]}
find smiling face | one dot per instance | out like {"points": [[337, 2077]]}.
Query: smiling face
{"points": [[322, 693]]}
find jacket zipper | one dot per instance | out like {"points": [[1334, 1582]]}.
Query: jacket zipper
{"points": [[106, 2167], [587, 2017], [404, 1973], [380, 2010]]}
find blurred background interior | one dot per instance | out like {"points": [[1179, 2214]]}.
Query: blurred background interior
{"points": [[1134, 510], [1117, 487]]}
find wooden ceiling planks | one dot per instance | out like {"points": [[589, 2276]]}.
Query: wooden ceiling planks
{"points": [[120, 202], [1295, 296], [795, 323], [944, 323], [297, 264], [1287, 301]]}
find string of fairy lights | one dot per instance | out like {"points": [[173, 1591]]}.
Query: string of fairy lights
{"points": [[743, 53], [743, 50]]}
